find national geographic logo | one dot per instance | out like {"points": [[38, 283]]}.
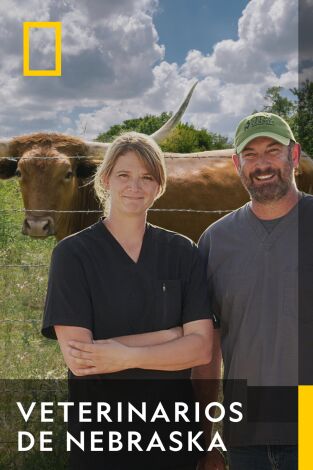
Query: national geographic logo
{"points": [[27, 26], [259, 121]]}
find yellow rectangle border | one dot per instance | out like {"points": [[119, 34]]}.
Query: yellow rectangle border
{"points": [[305, 420], [27, 25]]}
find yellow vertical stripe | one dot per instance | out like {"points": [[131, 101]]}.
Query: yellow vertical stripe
{"points": [[305, 421]]}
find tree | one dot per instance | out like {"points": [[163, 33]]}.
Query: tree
{"points": [[278, 104], [303, 119], [147, 125], [183, 139], [282, 106], [298, 114]]}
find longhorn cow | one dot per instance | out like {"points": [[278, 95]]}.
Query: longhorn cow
{"points": [[54, 172]]}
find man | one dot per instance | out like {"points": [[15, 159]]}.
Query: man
{"points": [[252, 267]]}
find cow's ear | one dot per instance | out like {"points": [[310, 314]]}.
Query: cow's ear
{"points": [[7, 168], [86, 168]]}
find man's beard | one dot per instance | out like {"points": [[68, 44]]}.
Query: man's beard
{"points": [[269, 191]]}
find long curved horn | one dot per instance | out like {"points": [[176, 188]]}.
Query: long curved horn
{"points": [[164, 131], [96, 149], [4, 148]]}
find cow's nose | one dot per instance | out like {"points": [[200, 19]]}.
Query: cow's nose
{"points": [[38, 227]]}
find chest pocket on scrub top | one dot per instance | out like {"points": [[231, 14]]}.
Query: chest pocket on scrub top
{"points": [[168, 303]]}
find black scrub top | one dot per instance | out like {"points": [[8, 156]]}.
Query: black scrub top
{"points": [[94, 284]]}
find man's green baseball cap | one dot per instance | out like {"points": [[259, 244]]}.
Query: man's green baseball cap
{"points": [[262, 125]]}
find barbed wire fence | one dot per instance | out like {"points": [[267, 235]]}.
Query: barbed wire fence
{"points": [[10, 228], [26, 266]]}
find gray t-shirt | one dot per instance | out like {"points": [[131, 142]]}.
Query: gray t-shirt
{"points": [[253, 283]]}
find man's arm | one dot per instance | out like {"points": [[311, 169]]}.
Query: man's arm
{"points": [[206, 383]]}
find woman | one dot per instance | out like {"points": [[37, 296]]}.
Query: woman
{"points": [[125, 298]]}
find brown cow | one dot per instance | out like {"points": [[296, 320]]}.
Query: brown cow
{"points": [[54, 171], [200, 182], [208, 183]]}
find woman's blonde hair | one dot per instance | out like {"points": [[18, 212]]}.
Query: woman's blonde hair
{"points": [[145, 148]]}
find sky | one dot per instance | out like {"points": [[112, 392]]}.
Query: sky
{"points": [[123, 59], [212, 21]]}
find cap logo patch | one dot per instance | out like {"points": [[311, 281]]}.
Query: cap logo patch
{"points": [[259, 121]]}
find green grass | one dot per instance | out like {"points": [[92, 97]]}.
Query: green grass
{"points": [[24, 353]]}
